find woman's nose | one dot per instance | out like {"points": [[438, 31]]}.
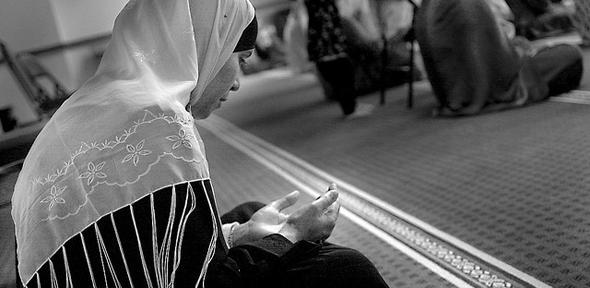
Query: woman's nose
{"points": [[236, 85]]}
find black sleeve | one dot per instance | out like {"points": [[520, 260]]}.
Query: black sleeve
{"points": [[257, 264], [538, 6]]}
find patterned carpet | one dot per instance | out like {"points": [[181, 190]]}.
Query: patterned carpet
{"points": [[513, 184], [237, 179]]}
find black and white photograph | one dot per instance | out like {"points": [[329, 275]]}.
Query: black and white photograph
{"points": [[294, 143]]}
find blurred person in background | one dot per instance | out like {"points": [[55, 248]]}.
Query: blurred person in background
{"points": [[473, 66], [328, 50], [295, 36], [372, 28], [536, 19], [504, 17]]}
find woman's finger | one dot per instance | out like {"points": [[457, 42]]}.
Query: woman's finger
{"points": [[287, 201], [325, 200], [333, 211], [332, 187]]}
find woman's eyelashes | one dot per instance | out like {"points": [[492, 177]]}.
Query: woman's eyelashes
{"points": [[243, 57], [243, 62]]}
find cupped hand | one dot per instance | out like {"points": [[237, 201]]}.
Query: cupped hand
{"points": [[314, 221], [268, 220]]}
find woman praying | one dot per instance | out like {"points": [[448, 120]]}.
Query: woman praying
{"points": [[116, 191]]}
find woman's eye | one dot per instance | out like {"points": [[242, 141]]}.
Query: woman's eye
{"points": [[243, 62]]}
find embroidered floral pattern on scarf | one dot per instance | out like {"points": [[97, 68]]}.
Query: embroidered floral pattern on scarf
{"points": [[126, 133]]}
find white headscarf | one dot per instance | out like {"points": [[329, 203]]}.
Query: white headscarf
{"points": [[126, 133]]}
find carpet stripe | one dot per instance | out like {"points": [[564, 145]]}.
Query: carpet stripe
{"points": [[574, 96], [377, 212], [213, 125]]}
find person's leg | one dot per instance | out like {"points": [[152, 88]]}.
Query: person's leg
{"points": [[332, 266], [560, 66], [339, 74]]}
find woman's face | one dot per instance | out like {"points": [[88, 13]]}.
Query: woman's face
{"points": [[218, 90]]}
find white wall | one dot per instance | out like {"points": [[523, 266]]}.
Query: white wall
{"points": [[30, 24], [24, 24], [79, 19]]}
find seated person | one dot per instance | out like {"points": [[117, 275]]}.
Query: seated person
{"points": [[536, 19], [327, 48], [116, 191], [473, 67], [365, 46]]}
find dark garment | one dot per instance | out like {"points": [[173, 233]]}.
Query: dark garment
{"points": [[473, 67], [535, 7], [540, 18], [138, 244], [561, 67], [325, 36], [309, 265], [339, 74], [119, 250]]}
